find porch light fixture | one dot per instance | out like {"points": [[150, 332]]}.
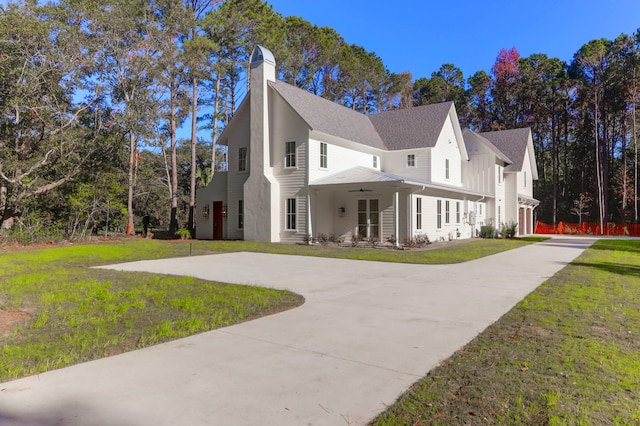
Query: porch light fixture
{"points": [[341, 211], [224, 210], [205, 210]]}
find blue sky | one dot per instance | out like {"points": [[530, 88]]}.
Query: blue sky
{"points": [[421, 35]]}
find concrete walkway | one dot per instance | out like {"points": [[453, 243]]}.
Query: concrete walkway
{"points": [[367, 331]]}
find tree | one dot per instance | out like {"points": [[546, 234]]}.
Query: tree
{"points": [[44, 144], [581, 205]]}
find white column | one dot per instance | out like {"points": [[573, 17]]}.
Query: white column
{"points": [[396, 218]]}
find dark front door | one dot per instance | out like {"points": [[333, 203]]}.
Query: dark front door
{"points": [[217, 220]]}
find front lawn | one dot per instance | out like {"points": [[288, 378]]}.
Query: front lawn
{"points": [[568, 354], [55, 311]]}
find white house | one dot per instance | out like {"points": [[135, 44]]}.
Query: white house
{"points": [[299, 165]]}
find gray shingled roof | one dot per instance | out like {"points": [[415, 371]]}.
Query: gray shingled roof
{"points": [[513, 143], [409, 128], [328, 117], [501, 155]]}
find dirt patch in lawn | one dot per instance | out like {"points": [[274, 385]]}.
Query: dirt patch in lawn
{"points": [[12, 318]]}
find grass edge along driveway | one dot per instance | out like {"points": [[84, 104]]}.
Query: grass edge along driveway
{"points": [[67, 313], [568, 354]]}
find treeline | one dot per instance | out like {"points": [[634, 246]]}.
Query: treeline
{"points": [[92, 96]]}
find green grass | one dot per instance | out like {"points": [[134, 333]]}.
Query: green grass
{"points": [[568, 354], [78, 314]]}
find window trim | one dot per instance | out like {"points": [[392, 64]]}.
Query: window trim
{"points": [[243, 160], [419, 213], [411, 160], [290, 157], [291, 219], [446, 168], [439, 214], [457, 212], [324, 156]]}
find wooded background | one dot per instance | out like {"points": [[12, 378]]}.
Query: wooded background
{"points": [[93, 94]]}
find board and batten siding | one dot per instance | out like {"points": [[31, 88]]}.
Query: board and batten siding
{"points": [[287, 126], [446, 148]]}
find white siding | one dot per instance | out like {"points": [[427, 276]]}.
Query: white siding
{"points": [[396, 162], [339, 158], [446, 148]]}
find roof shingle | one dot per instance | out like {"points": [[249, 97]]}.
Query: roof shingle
{"points": [[513, 143], [417, 127]]}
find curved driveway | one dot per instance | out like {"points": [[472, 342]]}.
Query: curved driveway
{"points": [[366, 332]]}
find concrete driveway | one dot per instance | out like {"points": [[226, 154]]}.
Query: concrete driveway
{"points": [[367, 331]]}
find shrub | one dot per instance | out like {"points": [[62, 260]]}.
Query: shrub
{"points": [[183, 233], [420, 240], [487, 231]]}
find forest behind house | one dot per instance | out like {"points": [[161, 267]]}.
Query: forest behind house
{"points": [[93, 94]]}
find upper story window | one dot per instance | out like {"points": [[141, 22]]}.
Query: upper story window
{"points": [[375, 161], [525, 178], [446, 168], [242, 159], [411, 160], [499, 174], [323, 155], [290, 154]]}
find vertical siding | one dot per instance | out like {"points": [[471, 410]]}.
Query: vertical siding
{"points": [[388, 222]]}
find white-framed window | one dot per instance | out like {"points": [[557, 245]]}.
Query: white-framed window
{"points": [[525, 178], [323, 155], [480, 209], [499, 174], [418, 213], [446, 212], [375, 161], [499, 215], [242, 159], [457, 211], [291, 214], [411, 160], [439, 214], [446, 168], [240, 214], [290, 154]]}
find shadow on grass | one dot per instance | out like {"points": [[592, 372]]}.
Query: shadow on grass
{"points": [[614, 268], [631, 246]]}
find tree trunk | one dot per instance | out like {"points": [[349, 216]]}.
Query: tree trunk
{"points": [[173, 224], [194, 138], [214, 133], [598, 165], [133, 152]]}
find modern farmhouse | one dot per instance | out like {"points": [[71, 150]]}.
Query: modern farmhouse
{"points": [[300, 166]]}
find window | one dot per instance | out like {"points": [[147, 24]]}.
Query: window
{"points": [[291, 214], [525, 178], [290, 154], [419, 213], [240, 214], [375, 161], [457, 211], [368, 219], [242, 159], [480, 209], [323, 155], [446, 212], [411, 160], [439, 214], [499, 215], [499, 174], [446, 168]]}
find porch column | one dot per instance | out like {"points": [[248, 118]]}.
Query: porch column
{"points": [[310, 217], [396, 214]]}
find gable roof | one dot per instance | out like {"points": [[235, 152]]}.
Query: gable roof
{"points": [[513, 143], [417, 127], [328, 117], [486, 143]]}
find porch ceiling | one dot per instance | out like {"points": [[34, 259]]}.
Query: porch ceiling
{"points": [[527, 201], [365, 176]]}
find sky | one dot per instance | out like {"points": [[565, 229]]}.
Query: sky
{"points": [[421, 35]]}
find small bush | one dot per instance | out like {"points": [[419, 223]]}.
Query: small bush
{"points": [[487, 231], [420, 240], [183, 233]]}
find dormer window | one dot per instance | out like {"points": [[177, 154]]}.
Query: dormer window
{"points": [[411, 160], [375, 161], [525, 178], [446, 167], [323, 155]]}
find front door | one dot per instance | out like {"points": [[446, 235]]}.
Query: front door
{"points": [[217, 220], [368, 219]]}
